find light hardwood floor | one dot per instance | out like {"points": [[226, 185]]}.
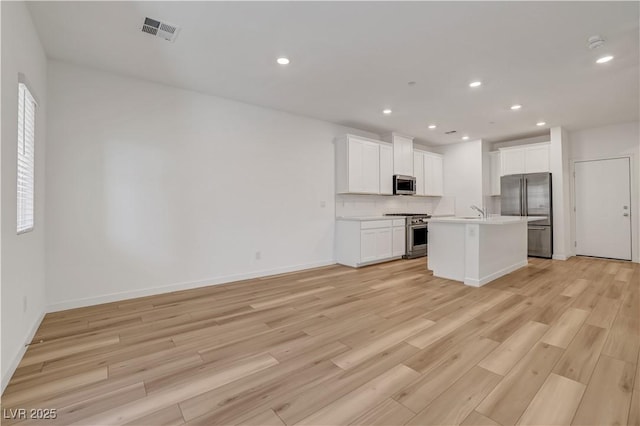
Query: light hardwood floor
{"points": [[552, 343]]}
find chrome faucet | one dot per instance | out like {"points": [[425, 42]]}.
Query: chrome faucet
{"points": [[479, 210]]}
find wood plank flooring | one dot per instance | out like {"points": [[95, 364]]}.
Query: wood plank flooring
{"points": [[552, 343]]}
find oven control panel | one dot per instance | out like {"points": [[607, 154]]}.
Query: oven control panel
{"points": [[416, 221]]}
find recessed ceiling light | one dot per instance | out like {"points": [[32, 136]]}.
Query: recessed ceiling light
{"points": [[540, 123], [464, 138], [283, 61], [432, 126], [604, 59], [475, 84], [387, 111], [515, 107]]}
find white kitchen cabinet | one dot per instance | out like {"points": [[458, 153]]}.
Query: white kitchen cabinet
{"points": [[399, 240], [358, 165], [435, 185], [368, 243], [494, 160], [428, 168], [402, 154], [532, 158], [418, 170], [370, 167], [512, 160], [364, 242], [386, 169], [384, 243], [536, 158]]}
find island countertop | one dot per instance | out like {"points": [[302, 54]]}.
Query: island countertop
{"points": [[491, 220], [369, 218]]}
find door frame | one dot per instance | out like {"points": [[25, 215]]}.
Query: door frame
{"points": [[633, 188]]}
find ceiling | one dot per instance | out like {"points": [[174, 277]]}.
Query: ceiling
{"points": [[350, 60]]}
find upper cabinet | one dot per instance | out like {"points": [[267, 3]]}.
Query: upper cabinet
{"points": [[428, 170], [434, 182], [386, 169], [418, 170], [363, 166], [402, 154], [536, 158], [532, 158]]}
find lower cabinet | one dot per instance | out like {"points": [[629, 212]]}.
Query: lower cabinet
{"points": [[364, 242], [399, 241]]}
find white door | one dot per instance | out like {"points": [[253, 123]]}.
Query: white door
{"points": [[603, 208]]}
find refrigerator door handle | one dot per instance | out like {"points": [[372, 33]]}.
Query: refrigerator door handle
{"points": [[521, 196], [525, 198]]}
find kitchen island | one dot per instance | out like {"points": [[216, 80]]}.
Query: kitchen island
{"points": [[477, 250]]}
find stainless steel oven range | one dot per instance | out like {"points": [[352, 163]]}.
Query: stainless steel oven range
{"points": [[417, 231]]}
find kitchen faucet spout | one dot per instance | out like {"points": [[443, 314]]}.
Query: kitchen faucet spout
{"points": [[479, 210]]}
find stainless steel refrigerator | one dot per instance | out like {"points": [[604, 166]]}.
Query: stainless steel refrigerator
{"points": [[530, 195]]}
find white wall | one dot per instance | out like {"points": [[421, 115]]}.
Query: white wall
{"points": [[153, 188], [559, 153], [463, 179], [22, 255], [609, 142]]}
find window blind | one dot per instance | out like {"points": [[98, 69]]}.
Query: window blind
{"points": [[26, 151]]}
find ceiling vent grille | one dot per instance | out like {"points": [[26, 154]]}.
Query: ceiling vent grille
{"points": [[450, 132], [160, 29]]}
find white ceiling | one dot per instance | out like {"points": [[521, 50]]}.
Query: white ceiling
{"points": [[349, 60]]}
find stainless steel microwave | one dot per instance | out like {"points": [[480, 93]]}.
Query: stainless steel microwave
{"points": [[404, 185]]}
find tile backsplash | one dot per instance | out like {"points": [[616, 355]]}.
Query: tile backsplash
{"points": [[374, 205]]}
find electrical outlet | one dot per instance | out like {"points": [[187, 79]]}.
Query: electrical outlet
{"points": [[24, 303], [258, 255]]}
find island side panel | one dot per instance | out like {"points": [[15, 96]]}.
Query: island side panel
{"points": [[503, 250], [473, 249], [447, 250]]}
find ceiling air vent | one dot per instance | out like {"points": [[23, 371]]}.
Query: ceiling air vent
{"points": [[450, 132], [160, 29]]}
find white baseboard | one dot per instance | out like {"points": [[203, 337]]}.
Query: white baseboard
{"points": [[115, 297], [560, 257], [16, 360], [488, 278]]}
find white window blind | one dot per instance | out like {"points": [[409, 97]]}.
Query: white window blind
{"points": [[26, 148]]}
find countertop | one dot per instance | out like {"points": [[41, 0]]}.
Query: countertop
{"points": [[491, 220], [366, 218]]}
